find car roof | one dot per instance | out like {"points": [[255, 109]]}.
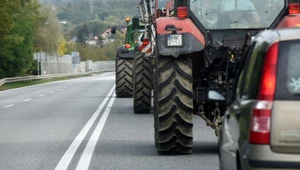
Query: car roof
{"points": [[272, 36], [288, 34]]}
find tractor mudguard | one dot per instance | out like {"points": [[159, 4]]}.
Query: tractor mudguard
{"points": [[290, 21], [193, 40], [125, 53]]}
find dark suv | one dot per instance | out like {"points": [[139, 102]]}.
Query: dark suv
{"points": [[261, 127]]}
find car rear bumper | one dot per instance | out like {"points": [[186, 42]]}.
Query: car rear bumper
{"points": [[261, 157], [273, 164]]}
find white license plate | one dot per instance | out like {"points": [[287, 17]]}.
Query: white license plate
{"points": [[174, 40]]}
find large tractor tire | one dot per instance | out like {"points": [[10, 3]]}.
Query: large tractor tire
{"points": [[142, 84], [124, 85], [173, 105]]}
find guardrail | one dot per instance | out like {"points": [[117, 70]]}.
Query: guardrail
{"points": [[50, 76]]}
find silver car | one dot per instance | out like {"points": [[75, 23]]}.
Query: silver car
{"points": [[261, 127]]}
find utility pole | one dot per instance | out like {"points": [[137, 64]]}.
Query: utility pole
{"points": [[38, 63], [91, 6]]}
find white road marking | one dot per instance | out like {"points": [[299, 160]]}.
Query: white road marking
{"points": [[105, 74], [69, 154], [51, 92], [87, 154], [26, 100], [111, 77], [8, 106], [57, 89], [41, 95], [66, 87]]}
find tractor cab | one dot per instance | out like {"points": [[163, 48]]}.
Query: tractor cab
{"points": [[133, 32], [225, 23], [236, 14]]}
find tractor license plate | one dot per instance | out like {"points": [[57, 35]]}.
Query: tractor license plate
{"points": [[174, 40]]}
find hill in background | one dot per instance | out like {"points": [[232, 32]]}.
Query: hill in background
{"points": [[93, 15]]}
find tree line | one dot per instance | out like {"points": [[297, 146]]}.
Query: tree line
{"points": [[27, 26]]}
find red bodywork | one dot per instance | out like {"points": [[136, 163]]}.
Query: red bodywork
{"points": [[185, 23], [290, 21]]}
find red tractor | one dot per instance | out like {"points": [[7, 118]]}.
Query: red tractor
{"points": [[197, 55]]}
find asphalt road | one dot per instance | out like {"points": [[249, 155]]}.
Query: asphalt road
{"points": [[79, 124]]}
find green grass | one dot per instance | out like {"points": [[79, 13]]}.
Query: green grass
{"points": [[8, 86]]}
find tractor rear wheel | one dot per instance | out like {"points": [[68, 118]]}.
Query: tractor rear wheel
{"points": [[173, 105], [142, 83], [124, 78]]}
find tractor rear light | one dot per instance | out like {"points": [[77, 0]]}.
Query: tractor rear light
{"points": [[146, 41], [294, 8], [127, 45], [146, 46], [261, 116], [182, 12]]}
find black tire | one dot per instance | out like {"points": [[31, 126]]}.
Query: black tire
{"points": [[124, 83], [239, 162], [173, 105], [142, 84]]}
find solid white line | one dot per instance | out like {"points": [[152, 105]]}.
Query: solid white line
{"points": [[8, 106], [69, 154], [26, 100], [87, 154], [51, 92], [41, 95]]}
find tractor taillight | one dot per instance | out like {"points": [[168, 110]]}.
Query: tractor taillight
{"points": [[182, 12], [127, 45], [294, 8], [146, 46], [146, 41]]}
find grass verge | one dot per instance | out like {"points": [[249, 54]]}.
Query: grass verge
{"points": [[8, 86]]}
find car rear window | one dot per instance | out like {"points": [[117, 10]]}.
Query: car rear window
{"points": [[288, 71]]}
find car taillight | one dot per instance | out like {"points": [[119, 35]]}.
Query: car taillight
{"points": [[182, 12], [294, 8], [261, 116], [268, 81], [260, 123]]}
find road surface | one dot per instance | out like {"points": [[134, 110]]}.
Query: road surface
{"points": [[79, 124]]}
